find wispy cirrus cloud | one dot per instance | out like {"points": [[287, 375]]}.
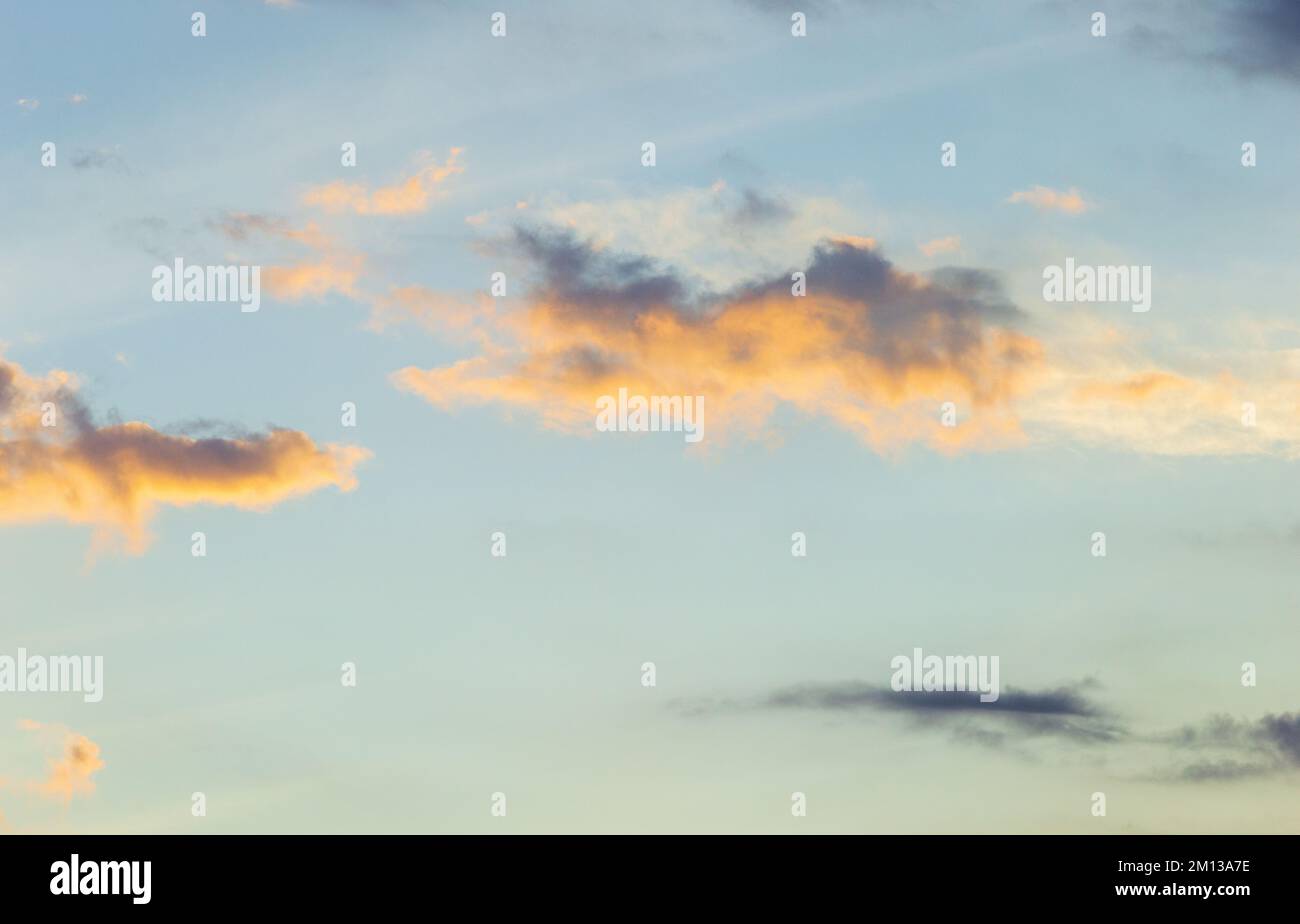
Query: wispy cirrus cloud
{"points": [[406, 197], [332, 268]]}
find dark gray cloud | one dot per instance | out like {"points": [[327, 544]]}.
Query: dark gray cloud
{"points": [[576, 278], [1263, 37], [852, 695], [908, 325], [1065, 711], [966, 297], [1239, 747], [1221, 748], [1253, 38]]}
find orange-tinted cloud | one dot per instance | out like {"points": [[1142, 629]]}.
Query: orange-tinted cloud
{"points": [[71, 773], [873, 348], [1103, 386], [455, 318], [332, 269], [950, 244], [56, 463], [314, 280], [1133, 389], [409, 196], [1070, 201]]}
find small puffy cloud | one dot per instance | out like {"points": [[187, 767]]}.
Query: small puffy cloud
{"points": [[1044, 198], [72, 771], [940, 245], [29, 104], [77, 99], [114, 477]]}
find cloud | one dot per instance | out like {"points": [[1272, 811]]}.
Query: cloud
{"points": [[873, 348], [333, 269], [77, 99], [950, 244], [1101, 386], [1232, 749], [1134, 389], [314, 280], [241, 226], [454, 318], [878, 353], [1071, 201], [245, 226], [1252, 38], [115, 477], [721, 235], [1065, 713], [757, 209], [29, 104], [99, 158], [404, 198], [1243, 748], [1263, 38], [71, 773]]}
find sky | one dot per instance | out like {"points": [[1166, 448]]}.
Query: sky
{"points": [[917, 452]]}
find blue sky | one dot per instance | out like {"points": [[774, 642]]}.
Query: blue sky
{"points": [[522, 674]]}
